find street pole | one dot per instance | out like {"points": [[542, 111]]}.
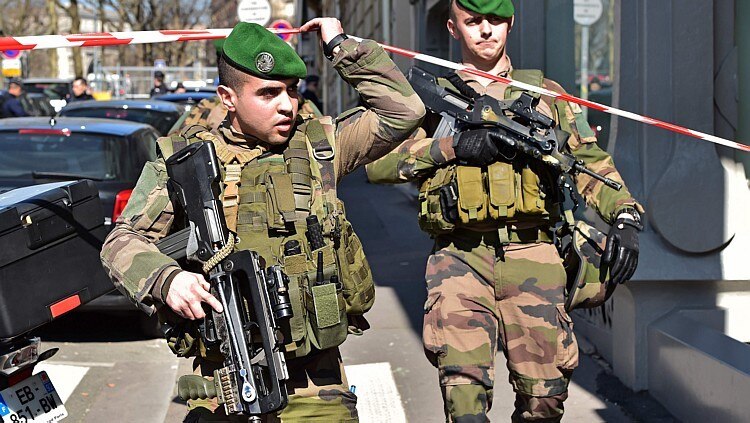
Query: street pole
{"points": [[585, 66]]}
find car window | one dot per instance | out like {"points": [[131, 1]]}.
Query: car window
{"points": [[162, 121], [54, 90], [94, 156]]}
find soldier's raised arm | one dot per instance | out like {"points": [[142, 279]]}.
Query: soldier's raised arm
{"points": [[392, 112]]}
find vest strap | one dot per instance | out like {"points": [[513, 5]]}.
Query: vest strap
{"points": [[231, 199]]}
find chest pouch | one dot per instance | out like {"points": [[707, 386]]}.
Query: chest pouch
{"points": [[501, 181], [438, 202], [472, 197]]}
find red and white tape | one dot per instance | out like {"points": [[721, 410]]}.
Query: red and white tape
{"points": [[144, 37]]}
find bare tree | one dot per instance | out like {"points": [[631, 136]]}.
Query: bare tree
{"points": [[151, 15]]}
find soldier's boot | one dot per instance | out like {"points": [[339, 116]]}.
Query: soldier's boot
{"points": [[467, 403], [538, 409]]}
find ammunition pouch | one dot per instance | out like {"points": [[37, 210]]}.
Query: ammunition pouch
{"points": [[475, 198], [587, 286]]}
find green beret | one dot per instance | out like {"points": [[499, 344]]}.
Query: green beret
{"points": [[502, 8], [219, 45], [259, 52]]}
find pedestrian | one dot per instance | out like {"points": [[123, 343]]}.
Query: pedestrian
{"points": [[263, 137], [79, 91], [159, 87], [179, 88], [498, 282], [11, 104], [311, 91]]}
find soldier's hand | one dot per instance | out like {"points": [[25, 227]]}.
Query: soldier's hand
{"points": [[187, 292], [481, 147], [327, 27], [621, 252]]}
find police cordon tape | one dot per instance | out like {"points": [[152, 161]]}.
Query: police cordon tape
{"points": [[38, 42]]}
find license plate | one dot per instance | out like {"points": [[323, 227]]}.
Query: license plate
{"points": [[33, 400]]}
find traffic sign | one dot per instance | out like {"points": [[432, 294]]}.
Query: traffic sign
{"points": [[587, 12], [10, 54], [11, 68], [282, 24], [254, 11]]}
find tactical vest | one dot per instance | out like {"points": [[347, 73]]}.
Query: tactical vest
{"points": [[266, 201], [496, 197]]}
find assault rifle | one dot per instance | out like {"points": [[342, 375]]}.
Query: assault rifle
{"points": [[252, 381], [521, 127]]}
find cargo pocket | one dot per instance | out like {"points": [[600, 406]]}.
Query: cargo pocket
{"points": [[280, 200], [324, 301], [432, 211], [356, 276], [433, 337], [567, 346], [297, 343]]}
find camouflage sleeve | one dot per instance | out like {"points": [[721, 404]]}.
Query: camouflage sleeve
{"points": [[393, 112], [412, 160], [129, 255], [582, 144], [209, 113]]}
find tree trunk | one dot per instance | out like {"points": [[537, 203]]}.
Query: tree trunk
{"points": [[75, 28], [53, 29]]}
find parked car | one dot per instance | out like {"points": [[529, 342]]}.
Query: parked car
{"points": [[159, 114], [55, 89], [188, 99], [109, 152], [35, 104]]}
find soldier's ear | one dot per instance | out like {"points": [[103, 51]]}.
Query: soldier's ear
{"points": [[452, 29], [510, 26], [228, 97]]}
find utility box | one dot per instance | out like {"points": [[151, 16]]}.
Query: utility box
{"points": [[50, 238]]}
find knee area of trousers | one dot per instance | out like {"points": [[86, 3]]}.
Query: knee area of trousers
{"points": [[539, 409], [467, 403], [474, 374]]}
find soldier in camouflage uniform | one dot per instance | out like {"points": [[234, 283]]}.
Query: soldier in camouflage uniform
{"points": [[260, 137], [499, 282]]}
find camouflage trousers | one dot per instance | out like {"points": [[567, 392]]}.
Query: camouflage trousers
{"points": [[479, 295], [317, 386]]}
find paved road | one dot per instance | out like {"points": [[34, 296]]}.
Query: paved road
{"points": [[107, 371]]}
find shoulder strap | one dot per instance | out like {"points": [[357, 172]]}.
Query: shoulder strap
{"points": [[527, 76], [319, 133]]}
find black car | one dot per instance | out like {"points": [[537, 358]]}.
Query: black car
{"points": [[188, 99], [55, 89], [159, 114], [109, 152]]}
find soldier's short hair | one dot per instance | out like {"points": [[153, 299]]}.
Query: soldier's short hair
{"points": [[230, 76]]}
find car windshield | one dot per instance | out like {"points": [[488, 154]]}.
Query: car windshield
{"points": [[36, 153], [162, 121], [54, 90]]}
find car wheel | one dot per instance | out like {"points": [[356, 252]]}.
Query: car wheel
{"points": [[150, 326]]}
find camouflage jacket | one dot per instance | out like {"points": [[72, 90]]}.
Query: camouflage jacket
{"points": [[393, 112], [418, 157], [208, 113]]}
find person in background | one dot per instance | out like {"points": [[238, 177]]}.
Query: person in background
{"points": [[179, 89], [159, 87], [311, 91], [12, 105], [79, 91]]}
